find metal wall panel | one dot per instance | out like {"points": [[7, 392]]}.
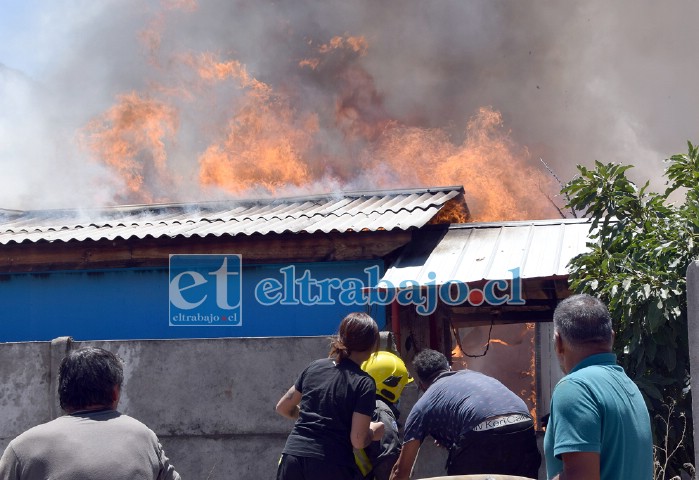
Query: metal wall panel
{"points": [[489, 251]]}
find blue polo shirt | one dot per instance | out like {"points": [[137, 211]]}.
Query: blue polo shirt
{"points": [[598, 408], [457, 402]]}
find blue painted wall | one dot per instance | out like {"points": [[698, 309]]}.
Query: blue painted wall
{"points": [[134, 304]]}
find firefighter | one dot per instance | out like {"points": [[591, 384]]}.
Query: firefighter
{"points": [[391, 376]]}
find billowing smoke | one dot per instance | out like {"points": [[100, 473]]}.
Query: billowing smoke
{"points": [[133, 102]]}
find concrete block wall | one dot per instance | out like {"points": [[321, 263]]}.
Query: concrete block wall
{"points": [[24, 388], [211, 401]]}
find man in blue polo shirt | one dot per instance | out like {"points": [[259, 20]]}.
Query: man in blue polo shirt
{"points": [[484, 425], [599, 426]]}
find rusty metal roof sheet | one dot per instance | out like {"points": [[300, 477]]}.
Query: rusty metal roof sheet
{"points": [[337, 212], [489, 251]]}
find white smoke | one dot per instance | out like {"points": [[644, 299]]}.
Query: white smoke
{"points": [[575, 82]]}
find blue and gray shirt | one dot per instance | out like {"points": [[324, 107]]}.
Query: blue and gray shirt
{"points": [[456, 403]]}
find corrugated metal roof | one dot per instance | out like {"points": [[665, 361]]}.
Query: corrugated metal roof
{"points": [[338, 212], [488, 251]]}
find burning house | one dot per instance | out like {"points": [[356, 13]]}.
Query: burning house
{"points": [[103, 274], [481, 292], [218, 151], [217, 128]]}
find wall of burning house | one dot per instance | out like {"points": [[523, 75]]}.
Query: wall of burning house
{"points": [[134, 303]]}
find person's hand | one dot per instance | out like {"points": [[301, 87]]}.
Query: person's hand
{"points": [[377, 429]]}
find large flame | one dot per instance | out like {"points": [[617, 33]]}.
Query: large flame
{"points": [[131, 138], [324, 127], [264, 139]]}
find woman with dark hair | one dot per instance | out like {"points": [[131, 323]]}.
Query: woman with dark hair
{"points": [[332, 402]]}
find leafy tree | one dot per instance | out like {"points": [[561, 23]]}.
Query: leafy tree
{"points": [[641, 245]]}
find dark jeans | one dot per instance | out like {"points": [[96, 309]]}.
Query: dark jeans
{"points": [[382, 471], [307, 468], [500, 453]]}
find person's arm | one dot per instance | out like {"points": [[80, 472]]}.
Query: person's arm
{"points": [[167, 471], [364, 431], [8, 465], [580, 466], [288, 405], [406, 460]]}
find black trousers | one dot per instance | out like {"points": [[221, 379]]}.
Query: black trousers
{"points": [[307, 468], [501, 453]]}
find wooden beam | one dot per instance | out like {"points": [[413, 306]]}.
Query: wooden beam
{"points": [[151, 252], [529, 305], [501, 318]]}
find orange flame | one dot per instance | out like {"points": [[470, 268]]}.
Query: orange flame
{"points": [[262, 144], [151, 37], [356, 44], [531, 394], [255, 135], [458, 359], [258, 150], [210, 69], [130, 137]]}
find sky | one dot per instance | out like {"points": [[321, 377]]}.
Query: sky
{"points": [[345, 85]]}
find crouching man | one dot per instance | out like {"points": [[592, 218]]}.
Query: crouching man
{"points": [[484, 425]]}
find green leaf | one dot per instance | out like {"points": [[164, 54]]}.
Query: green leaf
{"points": [[639, 246], [655, 317], [626, 284], [668, 356], [649, 389]]}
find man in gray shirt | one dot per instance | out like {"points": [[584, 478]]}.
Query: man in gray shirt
{"points": [[93, 441]]}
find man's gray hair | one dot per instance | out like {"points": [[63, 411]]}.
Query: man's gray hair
{"points": [[583, 319]]}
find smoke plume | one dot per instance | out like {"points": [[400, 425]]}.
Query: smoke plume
{"points": [[139, 102]]}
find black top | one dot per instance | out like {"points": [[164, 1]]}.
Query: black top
{"points": [[331, 393]]}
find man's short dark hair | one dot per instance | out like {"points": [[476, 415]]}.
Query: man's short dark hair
{"points": [[428, 363], [583, 319], [87, 377]]}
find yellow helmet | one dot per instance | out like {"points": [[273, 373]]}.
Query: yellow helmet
{"points": [[389, 373]]}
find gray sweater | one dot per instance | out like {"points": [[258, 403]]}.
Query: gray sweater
{"points": [[87, 446]]}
